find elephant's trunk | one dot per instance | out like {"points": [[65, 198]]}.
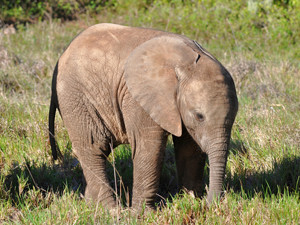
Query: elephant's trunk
{"points": [[217, 156]]}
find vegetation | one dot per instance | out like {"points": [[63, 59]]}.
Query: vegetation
{"points": [[258, 41], [21, 11]]}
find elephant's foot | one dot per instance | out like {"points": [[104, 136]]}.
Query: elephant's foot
{"points": [[214, 196], [146, 202], [103, 196], [141, 209]]}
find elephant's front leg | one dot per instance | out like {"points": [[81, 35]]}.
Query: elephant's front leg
{"points": [[148, 154], [190, 162]]}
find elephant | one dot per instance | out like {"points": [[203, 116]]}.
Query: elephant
{"points": [[117, 85]]}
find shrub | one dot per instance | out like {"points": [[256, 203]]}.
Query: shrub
{"points": [[35, 10]]}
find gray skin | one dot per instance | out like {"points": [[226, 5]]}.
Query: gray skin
{"points": [[117, 85]]}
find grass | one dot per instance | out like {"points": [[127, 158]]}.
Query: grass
{"points": [[262, 175]]}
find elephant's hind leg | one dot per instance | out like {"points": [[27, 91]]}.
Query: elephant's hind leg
{"points": [[97, 188], [90, 141]]}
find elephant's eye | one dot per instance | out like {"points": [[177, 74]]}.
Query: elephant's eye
{"points": [[200, 117]]}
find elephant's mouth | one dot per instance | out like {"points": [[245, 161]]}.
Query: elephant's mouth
{"points": [[199, 139]]}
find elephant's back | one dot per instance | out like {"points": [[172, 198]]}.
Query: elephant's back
{"points": [[105, 39], [102, 49]]}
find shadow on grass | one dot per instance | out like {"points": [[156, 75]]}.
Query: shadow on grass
{"points": [[21, 179], [30, 175], [284, 177]]}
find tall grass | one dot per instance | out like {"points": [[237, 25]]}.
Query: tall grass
{"points": [[262, 175]]}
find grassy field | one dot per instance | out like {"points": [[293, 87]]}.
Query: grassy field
{"points": [[258, 43]]}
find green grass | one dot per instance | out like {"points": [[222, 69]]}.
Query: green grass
{"points": [[262, 175]]}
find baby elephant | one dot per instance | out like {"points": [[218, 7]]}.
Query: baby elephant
{"points": [[116, 85]]}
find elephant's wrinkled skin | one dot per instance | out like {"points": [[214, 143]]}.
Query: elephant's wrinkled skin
{"points": [[117, 84]]}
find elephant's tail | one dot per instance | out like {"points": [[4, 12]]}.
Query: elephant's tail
{"points": [[56, 153]]}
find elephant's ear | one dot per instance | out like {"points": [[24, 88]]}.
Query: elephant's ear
{"points": [[151, 79]]}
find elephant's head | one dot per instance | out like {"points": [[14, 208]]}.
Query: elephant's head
{"points": [[180, 84]]}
